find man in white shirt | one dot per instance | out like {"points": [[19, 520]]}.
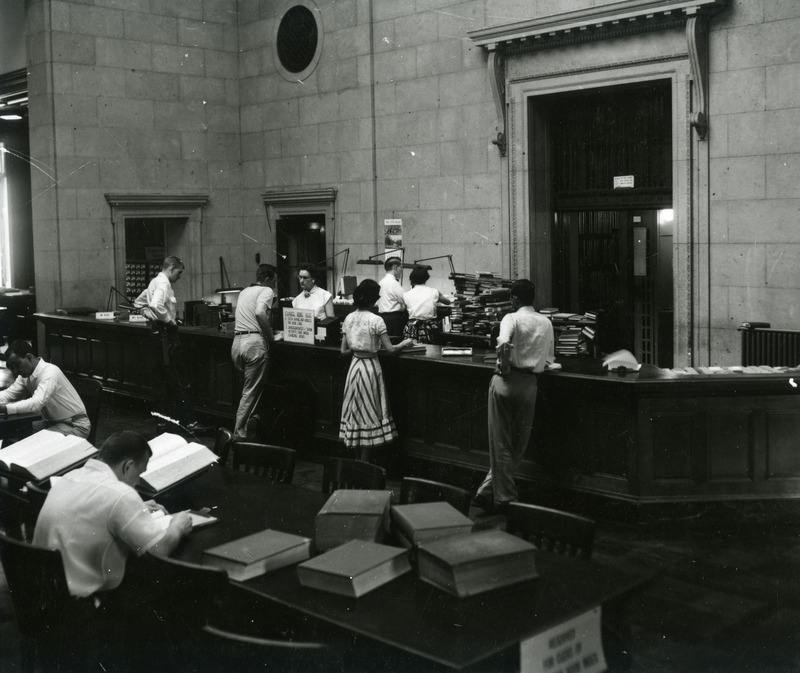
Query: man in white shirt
{"points": [[41, 387], [313, 297], [251, 339], [158, 304], [525, 347], [391, 306]]}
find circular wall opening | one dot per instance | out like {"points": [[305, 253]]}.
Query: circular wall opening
{"points": [[298, 40]]}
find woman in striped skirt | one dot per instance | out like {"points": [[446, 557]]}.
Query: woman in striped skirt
{"points": [[366, 419]]}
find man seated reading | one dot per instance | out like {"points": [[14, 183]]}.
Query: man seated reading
{"points": [[41, 387]]}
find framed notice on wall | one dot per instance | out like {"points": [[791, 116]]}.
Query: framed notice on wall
{"points": [[298, 325]]}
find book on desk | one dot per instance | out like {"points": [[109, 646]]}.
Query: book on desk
{"points": [[357, 514], [427, 521], [174, 460], [258, 554], [44, 454], [354, 568], [465, 565]]}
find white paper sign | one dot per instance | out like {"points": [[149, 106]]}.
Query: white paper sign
{"points": [[104, 315], [623, 182], [575, 646], [298, 325]]}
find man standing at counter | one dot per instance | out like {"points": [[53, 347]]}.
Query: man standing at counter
{"points": [[313, 297], [41, 387], [391, 306], [251, 338], [159, 306], [524, 348]]}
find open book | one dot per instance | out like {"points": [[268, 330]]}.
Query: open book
{"points": [[45, 453], [173, 460]]}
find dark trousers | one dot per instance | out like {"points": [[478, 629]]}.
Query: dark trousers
{"points": [[395, 322], [171, 382]]}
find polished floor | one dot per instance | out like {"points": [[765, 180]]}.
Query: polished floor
{"points": [[726, 598]]}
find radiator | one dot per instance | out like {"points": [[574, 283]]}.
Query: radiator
{"points": [[774, 347]]}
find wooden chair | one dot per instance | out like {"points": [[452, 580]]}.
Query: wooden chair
{"points": [[266, 460], [14, 514], [35, 495], [414, 489], [90, 392], [49, 619], [222, 444], [346, 473], [551, 529]]}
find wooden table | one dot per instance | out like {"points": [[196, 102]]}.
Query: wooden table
{"points": [[410, 618], [14, 425]]}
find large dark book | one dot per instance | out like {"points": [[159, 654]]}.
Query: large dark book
{"points": [[354, 568], [44, 454], [427, 521], [352, 515], [257, 554], [465, 565], [173, 460]]}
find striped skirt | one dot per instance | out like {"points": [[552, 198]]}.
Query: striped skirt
{"points": [[366, 419]]}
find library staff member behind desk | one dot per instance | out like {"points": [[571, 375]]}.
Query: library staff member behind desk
{"points": [[41, 387], [313, 297], [95, 518]]}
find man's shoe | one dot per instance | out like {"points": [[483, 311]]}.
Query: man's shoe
{"points": [[484, 502]]}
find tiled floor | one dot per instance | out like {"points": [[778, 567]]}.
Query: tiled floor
{"points": [[726, 598]]}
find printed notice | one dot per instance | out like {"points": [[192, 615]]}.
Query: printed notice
{"points": [[572, 647], [298, 325]]}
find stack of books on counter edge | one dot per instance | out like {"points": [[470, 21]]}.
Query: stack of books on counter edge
{"points": [[427, 521], [44, 454], [354, 568], [352, 514], [257, 554], [173, 461], [466, 565]]}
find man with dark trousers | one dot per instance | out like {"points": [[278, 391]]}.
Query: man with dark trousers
{"points": [[391, 305], [525, 346], [251, 339]]}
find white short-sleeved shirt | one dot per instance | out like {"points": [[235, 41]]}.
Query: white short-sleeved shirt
{"points": [[95, 520], [531, 334], [363, 330], [391, 299], [158, 300], [421, 302], [252, 300], [315, 300]]}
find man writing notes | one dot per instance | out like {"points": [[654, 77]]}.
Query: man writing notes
{"points": [[312, 297], [524, 348], [41, 387], [251, 338], [391, 306], [159, 306], [95, 517]]}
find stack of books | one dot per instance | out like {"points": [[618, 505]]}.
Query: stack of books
{"points": [[428, 521], [483, 298]]}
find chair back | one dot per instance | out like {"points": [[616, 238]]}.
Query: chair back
{"points": [[90, 392], [222, 444], [266, 460], [551, 529], [14, 514], [414, 489], [36, 495], [346, 473], [227, 651]]}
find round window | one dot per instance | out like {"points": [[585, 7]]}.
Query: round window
{"points": [[298, 40]]}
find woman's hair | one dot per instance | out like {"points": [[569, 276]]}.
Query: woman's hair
{"points": [[312, 270], [419, 275], [366, 294]]}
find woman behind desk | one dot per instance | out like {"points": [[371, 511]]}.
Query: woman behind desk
{"points": [[366, 418], [421, 303]]}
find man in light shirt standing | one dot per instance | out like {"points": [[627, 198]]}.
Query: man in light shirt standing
{"points": [[525, 347], [251, 339], [391, 306], [41, 387]]}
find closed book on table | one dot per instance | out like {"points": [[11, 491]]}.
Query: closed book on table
{"points": [[354, 568], [174, 460], [426, 521], [357, 514], [257, 554], [44, 454], [465, 565]]}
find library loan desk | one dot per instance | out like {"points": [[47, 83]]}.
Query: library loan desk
{"points": [[413, 625], [648, 437]]}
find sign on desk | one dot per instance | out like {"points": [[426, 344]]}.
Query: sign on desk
{"points": [[572, 647], [298, 325]]}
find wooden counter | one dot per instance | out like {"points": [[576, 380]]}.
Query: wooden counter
{"points": [[637, 437]]}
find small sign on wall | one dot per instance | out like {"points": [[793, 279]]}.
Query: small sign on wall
{"points": [[575, 646], [623, 182], [298, 325]]}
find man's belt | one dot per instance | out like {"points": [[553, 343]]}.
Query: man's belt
{"points": [[71, 419], [523, 370], [250, 332]]}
